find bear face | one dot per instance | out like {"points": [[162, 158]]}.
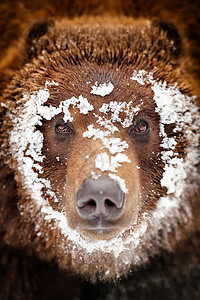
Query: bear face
{"points": [[104, 146]]}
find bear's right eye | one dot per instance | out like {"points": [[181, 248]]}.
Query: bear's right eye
{"points": [[63, 129], [140, 127]]}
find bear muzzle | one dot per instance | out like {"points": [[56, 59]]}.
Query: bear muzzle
{"points": [[100, 201]]}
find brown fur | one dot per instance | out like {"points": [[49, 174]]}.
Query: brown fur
{"points": [[70, 51], [23, 13]]}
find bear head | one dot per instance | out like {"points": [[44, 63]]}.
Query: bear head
{"points": [[100, 130]]}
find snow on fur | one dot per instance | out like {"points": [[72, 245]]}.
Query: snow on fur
{"points": [[102, 89]]}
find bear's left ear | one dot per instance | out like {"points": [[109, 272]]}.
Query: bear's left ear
{"points": [[36, 31], [173, 36]]}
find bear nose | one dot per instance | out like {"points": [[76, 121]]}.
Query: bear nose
{"points": [[100, 199]]}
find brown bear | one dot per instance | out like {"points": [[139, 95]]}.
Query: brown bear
{"points": [[99, 165]]}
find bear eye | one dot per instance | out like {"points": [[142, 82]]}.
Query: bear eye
{"points": [[141, 127], [63, 128]]}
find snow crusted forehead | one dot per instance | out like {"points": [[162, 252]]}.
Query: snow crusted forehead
{"points": [[179, 175]]}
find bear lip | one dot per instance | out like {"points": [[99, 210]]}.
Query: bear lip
{"points": [[99, 229], [99, 226]]}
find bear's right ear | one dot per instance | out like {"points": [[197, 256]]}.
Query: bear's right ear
{"points": [[23, 51], [36, 31]]}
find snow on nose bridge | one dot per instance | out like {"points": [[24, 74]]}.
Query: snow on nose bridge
{"points": [[108, 157], [111, 155]]}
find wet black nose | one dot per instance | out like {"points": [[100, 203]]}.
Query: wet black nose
{"points": [[100, 199]]}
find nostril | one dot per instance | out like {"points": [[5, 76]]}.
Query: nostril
{"points": [[87, 207], [91, 206], [92, 203], [109, 203]]}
